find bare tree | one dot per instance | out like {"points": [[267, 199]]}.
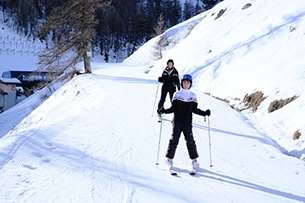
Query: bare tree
{"points": [[160, 29], [72, 26]]}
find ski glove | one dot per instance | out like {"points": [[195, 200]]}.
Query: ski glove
{"points": [[208, 112], [160, 79], [176, 84], [161, 110]]}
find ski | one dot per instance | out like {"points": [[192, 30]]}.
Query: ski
{"points": [[193, 172], [173, 172], [169, 163], [194, 167]]}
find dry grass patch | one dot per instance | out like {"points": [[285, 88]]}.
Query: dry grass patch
{"points": [[277, 104], [296, 135], [246, 6], [221, 99], [253, 100], [220, 13]]}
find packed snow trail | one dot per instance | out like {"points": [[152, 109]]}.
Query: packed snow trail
{"points": [[95, 140]]}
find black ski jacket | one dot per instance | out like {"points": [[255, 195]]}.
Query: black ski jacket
{"points": [[183, 105], [170, 78]]}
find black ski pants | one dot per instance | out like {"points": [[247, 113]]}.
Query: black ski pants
{"points": [[186, 128], [164, 90]]}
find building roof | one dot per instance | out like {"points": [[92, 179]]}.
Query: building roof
{"points": [[9, 80]]}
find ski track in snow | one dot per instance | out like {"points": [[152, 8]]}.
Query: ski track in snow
{"points": [[106, 150], [115, 168]]}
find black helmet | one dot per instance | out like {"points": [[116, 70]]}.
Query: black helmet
{"points": [[170, 61], [187, 77]]}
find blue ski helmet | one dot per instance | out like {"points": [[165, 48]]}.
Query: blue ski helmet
{"points": [[187, 77]]}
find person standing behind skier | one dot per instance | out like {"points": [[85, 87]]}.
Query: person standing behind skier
{"points": [[183, 105], [170, 79]]}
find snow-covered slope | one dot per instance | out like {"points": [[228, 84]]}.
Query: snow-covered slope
{"points": [[16, 51], [95, 140], [248, 49]]}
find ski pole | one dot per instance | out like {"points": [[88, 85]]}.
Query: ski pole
{"points": [[157, 163], [211, 165], [155, 100]]}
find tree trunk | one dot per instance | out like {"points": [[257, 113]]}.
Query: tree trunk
{"points": [[87, 57]]}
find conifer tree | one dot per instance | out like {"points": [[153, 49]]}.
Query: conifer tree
{"points": [[72, 26]]}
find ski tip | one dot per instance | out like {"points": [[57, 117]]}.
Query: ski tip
{"points": [[193, 172], [172, 172]]}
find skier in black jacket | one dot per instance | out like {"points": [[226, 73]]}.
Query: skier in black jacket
{"points": [[170, 79], [183, 105]]}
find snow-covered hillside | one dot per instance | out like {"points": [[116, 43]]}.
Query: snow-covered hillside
{"points": [[17, 52], [96, 138], [252, 47]]}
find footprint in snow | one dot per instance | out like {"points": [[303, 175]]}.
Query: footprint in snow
{"points": [[37, 154], [50, 145], [29, 167]]}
